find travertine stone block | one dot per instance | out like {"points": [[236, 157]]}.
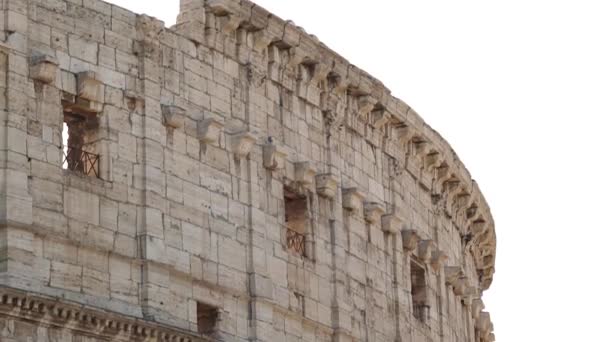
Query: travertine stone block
{"points": [[327, 185], [173, 116], [366, 104], [426, 249], [241, 143], [81, 206], [274, 156], [410, 239], [304, 173], [391, 224], [380, 118], [373, 212], [43, 68], [438, 258], [209, 131], [452, 273], [352, 199]]}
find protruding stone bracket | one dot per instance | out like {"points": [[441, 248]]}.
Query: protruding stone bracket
{"points": [[352, 199], [209, 130], [452, 273], [410, 239], [477, 307], [230, 19], [261, 40], [296, 57], [443, 175], [379, 118], [463, 200], [43, 68], [304, 173], [438, 258], [420, 147], [173, 116], [478, 227], [332, 109], [320, 73], [391, 224], [241, 143], [425, 250], [365, 104], [460, 286], [274, 156], [432, 161], [483, 323], [327, 185], [90, 94], [404, 134], [373, 212]]}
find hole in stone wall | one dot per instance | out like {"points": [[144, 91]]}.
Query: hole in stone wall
{"points": [[419, 297], [296, 221], [79, 135], [206, 318]]}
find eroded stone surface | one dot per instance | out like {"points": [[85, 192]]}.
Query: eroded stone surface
{"points": [[185, 214]]}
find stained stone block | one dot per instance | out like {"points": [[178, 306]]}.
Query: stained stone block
{"points": [[304, 173], [352, 199], [43, 68], [274, 156], [209, 131], [327, 185], [373, 212], [173, 116], [242, 143], [391, 224]]}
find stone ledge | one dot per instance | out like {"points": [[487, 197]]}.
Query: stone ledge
{"points": [[49, 311]]}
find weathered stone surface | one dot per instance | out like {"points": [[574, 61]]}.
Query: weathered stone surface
{"points": [[243, 167]]}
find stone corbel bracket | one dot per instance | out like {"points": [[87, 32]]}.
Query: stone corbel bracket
{"points": [[391, 224], [432, 161], [373, 212], [241, 143], [304, 173], [227, 12], [327, 185], [43, 68], [173, 116], [274, 156], [425, 250], [380, 117], [483, 323], [460, 286], [90, 92], [477, 307], [365, 105], [404, 134], [209, 130], [410, 239], [438, 258], [352, 199], [452, 274]]}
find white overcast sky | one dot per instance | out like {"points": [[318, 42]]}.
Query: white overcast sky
{"points": [[519, 89]]}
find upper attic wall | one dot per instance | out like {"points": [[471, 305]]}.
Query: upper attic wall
{"points": [[256, 37], [201, 130]]}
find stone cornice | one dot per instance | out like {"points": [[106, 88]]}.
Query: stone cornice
{"points": [[262, 38], [77, 317]]}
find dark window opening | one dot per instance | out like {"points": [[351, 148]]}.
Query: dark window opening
{"points": [[296, 221], [419, 295], [80, 142], [206, 318]]}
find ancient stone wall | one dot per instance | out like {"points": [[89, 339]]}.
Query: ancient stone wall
{"points": [[230, 178]]}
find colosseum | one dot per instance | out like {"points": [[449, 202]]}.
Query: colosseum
{"points": [[229, 178]]}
